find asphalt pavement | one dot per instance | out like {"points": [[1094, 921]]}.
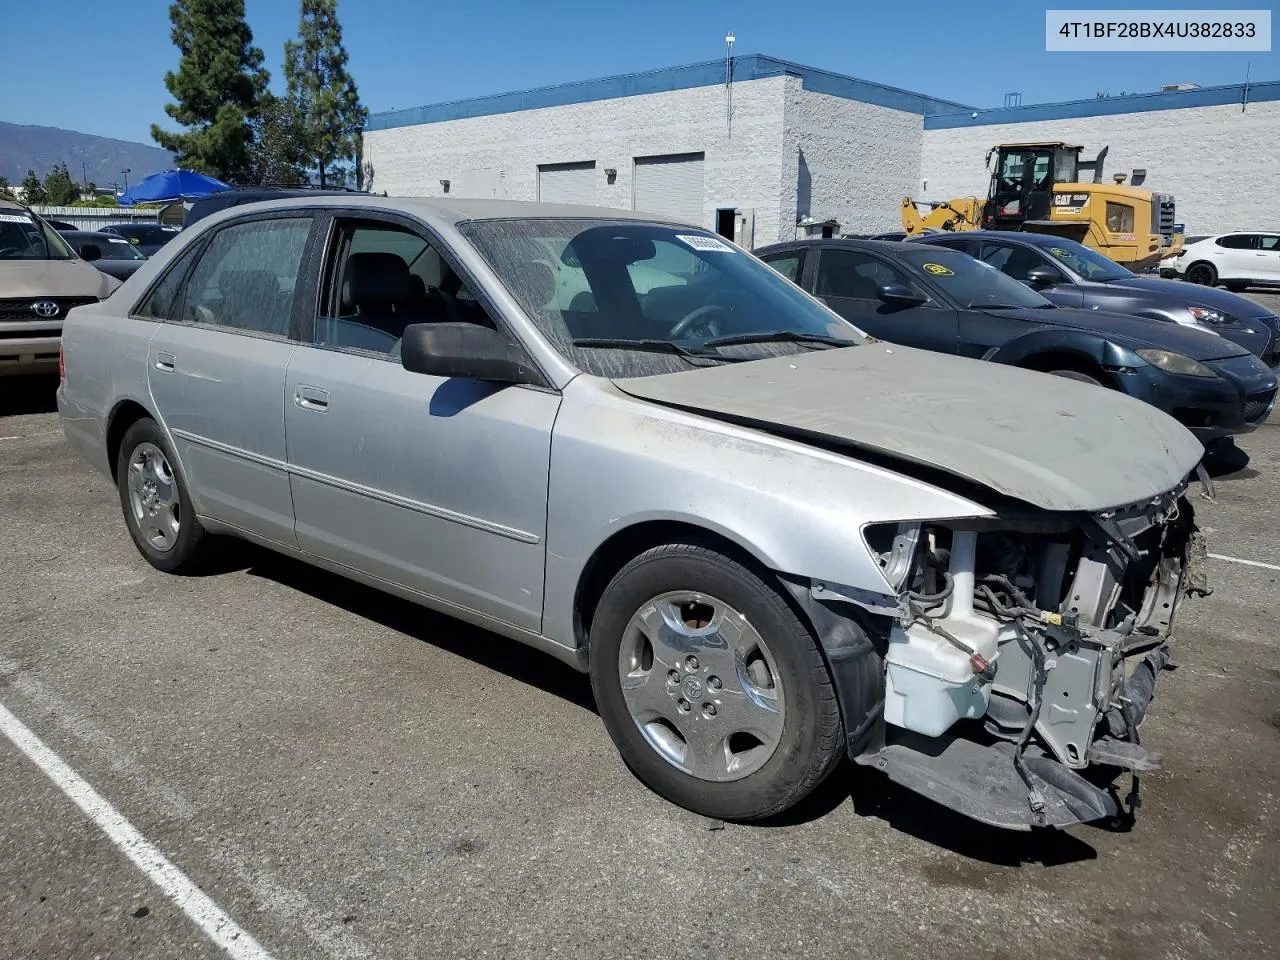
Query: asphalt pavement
{"points": [[345, 775]]}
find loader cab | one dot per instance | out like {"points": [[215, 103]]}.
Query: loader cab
{"points": [[1022, 180]]}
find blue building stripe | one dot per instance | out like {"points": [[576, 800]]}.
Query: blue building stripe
{"points": [[707, 74], [1107, 106]]}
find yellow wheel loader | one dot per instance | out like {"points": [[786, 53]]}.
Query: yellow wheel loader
{"points": [[1038, 187]]}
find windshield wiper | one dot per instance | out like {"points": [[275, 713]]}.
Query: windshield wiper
{"points": [[779, 336], [994, 306], [656, 346]]}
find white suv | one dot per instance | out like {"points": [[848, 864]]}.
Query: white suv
{"points": [[1235, 260]]}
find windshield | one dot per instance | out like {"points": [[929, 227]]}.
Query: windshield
{"points": [[115, 248], [1087, 263], [25, 237], [969, 282], [629, 299]]}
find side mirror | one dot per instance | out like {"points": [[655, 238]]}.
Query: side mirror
{"points": [[90, 252], [1044, 276], [900, 295], [464, 350]]}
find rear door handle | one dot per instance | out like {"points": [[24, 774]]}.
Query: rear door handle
{"points": [[165, 362], [311, 398]]}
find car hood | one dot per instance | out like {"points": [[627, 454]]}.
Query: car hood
{"points": [[52, 278], [1048, 441], [1137, 333], [1190, 294]]}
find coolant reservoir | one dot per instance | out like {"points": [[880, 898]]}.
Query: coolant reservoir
{"points": [[929, 681]]}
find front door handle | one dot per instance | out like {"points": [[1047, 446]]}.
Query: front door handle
{"points": [[165, 362], [311, 398]]}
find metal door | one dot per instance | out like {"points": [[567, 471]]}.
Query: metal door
{"points": [[671, 186]]}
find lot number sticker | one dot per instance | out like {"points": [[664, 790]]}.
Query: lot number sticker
{"points": [[709, 244], [14, 218], [938, 270]]}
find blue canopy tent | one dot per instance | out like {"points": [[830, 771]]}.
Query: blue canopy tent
{"points": [[171, 185]]}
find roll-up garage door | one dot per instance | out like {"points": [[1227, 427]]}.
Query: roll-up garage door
{"points": [[670, 185], [567, 182]]}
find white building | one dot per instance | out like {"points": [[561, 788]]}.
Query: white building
{"points": [[783, 146]]}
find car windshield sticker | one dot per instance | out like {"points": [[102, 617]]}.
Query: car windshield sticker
{"points": [[938, 270], [1058, 252], [705, 243], [14, 218], [114, 240]]}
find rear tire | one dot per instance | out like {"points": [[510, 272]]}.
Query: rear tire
{"points": [[711, 686], [157, 508], [1204, 274], [1077, 375]]}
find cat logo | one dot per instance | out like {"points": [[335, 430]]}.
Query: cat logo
{"points": [[938, 270]]}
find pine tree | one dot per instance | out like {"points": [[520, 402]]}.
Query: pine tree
{"points": [[276, 156], [218, 87], [32, 189], [323, 92], [6, 191], [60, 190]]}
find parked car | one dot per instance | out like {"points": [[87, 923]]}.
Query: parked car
{"points": [[941, 299], [114, 256], [60, 225], [238, 196], [147, 237], [1072, 275], [769, 541], [41, 278], [1237, 261]]}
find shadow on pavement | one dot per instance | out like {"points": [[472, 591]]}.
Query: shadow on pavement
{"points": [[26, 395], [1226, 461], [489, 650]]}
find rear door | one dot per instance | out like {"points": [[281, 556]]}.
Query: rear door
{"points": [[216, 370], [1233, 257], [848, 280], [1267, 257]]}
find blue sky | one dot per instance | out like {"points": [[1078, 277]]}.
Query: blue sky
{"points": [[96, 68]]}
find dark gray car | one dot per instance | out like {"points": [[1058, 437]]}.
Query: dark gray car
{"points": [[114, 256], [1072, 275]]}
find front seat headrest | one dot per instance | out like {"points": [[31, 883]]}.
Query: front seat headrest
{"points": [[375, 279]]}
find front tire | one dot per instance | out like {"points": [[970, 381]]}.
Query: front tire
{"points": [[157, 508], [711, 686], [1203, 274]]}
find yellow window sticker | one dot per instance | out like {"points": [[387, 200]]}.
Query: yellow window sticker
{"points": [[1057, 251], [938, 270]]}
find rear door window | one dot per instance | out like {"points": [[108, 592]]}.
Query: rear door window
{"points": [[1011, 260], [246, 276]]}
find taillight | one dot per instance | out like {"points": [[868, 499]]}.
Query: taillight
{"points": [[62, 364]]}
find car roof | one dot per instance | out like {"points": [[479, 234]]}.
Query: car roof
{"points": [[850, 243], [459, 210], [1017, 236], [86, 234]]}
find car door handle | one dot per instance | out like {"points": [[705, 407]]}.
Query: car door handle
{"points": [[165, 362], [312, 398]]}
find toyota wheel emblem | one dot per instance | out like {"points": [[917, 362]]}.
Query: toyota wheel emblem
{"points": [[44, 308]]}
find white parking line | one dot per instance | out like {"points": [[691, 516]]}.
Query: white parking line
{"points": [[191, 900], [1247, 563]]}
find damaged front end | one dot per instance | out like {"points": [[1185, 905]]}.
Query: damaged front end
{"points": [[1023, 654]]}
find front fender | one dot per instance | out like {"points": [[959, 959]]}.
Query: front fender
{"points": [[617, 462], [1093, 347]]}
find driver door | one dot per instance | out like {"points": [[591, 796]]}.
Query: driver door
{"points": [[434, 484], [848, 281]]}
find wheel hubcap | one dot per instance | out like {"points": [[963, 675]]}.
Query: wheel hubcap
{"points": [[701, 686], [153, 497]]}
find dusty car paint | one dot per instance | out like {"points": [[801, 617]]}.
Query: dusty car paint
{"points": [[494, 502]]}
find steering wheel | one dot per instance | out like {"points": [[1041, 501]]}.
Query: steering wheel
{"points": [[697, 316]]}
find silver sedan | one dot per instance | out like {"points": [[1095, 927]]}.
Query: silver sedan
{"points": [[773, 542]]}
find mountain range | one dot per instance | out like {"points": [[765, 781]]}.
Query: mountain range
{"points": [[101, 160]]}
